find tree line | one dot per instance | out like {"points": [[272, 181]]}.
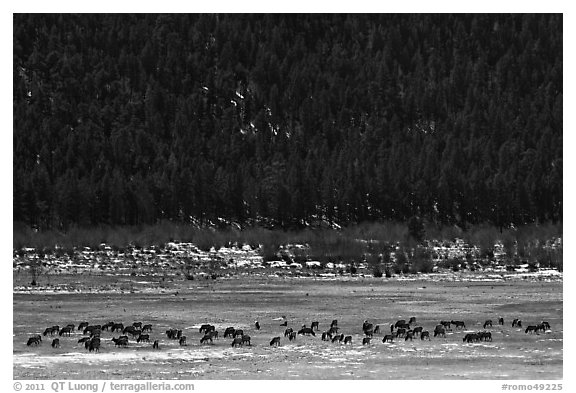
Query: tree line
{"points": [[286, 120]]}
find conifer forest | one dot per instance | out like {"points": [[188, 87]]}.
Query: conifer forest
{"points": [[285, 120]]}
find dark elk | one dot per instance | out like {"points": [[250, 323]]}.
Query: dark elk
{"points": [[425, 335], [56, 343], [367, 326], [34, 340], [348, 340], [206, 328], [500, 321], [246, 339], [366, 341], [257, 325], [488, 323], [439, 331], [65, 330], [143, 337], [237, 342], [315, 325], [388, 337], [400, 323], [229, 332], [338, 338], [458, 324], [288, 331], [275, 342], [306, 331], [121, 341]]}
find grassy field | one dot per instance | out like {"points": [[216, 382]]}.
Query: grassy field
{"points": [[241, 300]]}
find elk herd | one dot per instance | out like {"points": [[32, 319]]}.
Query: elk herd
{"points": [[141, 333]]}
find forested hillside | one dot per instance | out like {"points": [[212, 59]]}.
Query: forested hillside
{"points": [[287, 119]]}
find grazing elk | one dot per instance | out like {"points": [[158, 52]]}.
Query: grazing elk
{"points": [[143, 338], [316, 325], [275, 341], [388, 338], [65, 330], [117, 327], [107, 326], [205, 328], [171, 333], [326, 336], [334, 323], [417, 330], [237, 342], [366, 341], [338, 338], [446, 324], [34, 340], [229, 332], [485, 336], [156, 345], [56, 343], [82, 325], [367, 326], [531, 329], [246, 339], [400, 332], [439, 330], [89, 329], [412, 320], [292, 336], [94, 345], [425, 334], [377, 329], [147, 328], [333, 330], [487, 323], [132, 331], [207, 337], [306, 331], [348, 339], [458, 324], [409, 335], [400, 322], [83, 340], [121, 341], [469, 337], [238, 332], [182, 341]]}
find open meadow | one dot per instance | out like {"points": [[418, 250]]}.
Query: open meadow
{"points": [[240, 300]]}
